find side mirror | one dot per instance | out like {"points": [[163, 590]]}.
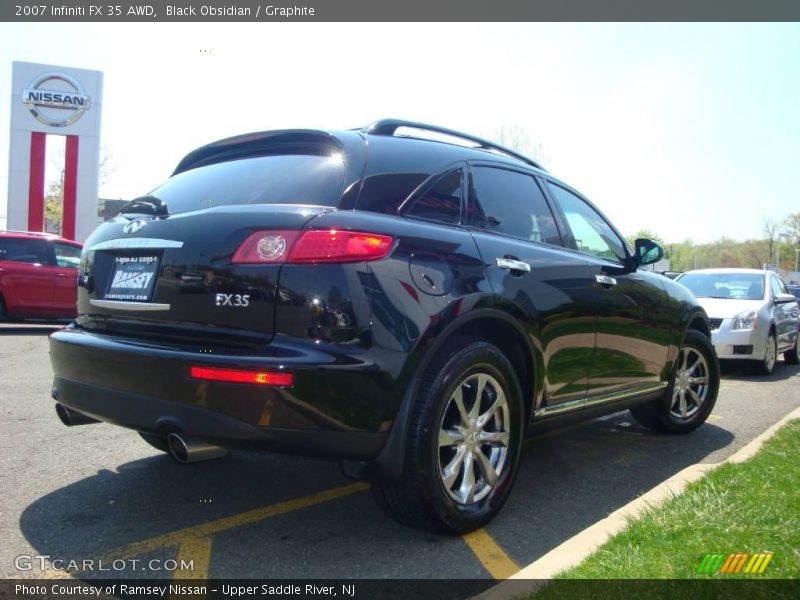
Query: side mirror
{"points": [[784, 298], [647, 252]]}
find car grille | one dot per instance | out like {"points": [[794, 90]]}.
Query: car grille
{"points": [[714, 324]]}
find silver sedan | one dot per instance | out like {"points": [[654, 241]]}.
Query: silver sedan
{"points": [[752, 314]]}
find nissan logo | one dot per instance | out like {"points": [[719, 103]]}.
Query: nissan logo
{"points": [[134, 226], [55, 99]]}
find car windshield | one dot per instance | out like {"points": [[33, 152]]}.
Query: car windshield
{"points": [[736, 286]]}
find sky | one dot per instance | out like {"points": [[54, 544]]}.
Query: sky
{"points": [[691, 131]]}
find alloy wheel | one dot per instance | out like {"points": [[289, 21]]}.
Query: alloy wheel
{"points": [[474, 437], [771, 354], [691, 383]]}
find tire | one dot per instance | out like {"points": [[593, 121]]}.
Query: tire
{"points": [[434, 490], [2, 309], [792, 357], [677, 411], [767, 365], [158, 442]]}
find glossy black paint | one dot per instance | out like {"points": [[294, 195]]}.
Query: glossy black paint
{"points": [[358, 336]]}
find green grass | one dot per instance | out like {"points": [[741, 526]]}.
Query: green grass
{"points": [[749, 507]]}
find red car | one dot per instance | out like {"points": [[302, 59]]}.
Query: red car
{"points": [[38, 275]]}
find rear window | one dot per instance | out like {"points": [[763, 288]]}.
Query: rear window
{"points": [[23, 250], [275, 179]]}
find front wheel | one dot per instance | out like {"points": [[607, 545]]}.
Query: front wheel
{"points": [[767, 365], [464, 443], [692, 392]]}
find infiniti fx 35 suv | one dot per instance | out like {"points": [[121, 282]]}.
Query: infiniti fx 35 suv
{"points": [[404, 298]]}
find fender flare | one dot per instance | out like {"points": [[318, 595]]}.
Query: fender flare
{"points": [[390, 462]]}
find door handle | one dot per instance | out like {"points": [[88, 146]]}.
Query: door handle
{"points": [[605, 280], [513, 265]]}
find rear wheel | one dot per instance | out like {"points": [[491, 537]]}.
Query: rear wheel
{"points": [[159, 442], [464, 442], [692, 392], [791, 356], [2, 309], [767, 365]]}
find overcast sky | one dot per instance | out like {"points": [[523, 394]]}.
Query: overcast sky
{"points": [[691, 131]]}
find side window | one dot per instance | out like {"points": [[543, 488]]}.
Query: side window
{"points": [[23, 250], [440, 202], [777, 286], [67, 255], [512, 203], [592, 235]]}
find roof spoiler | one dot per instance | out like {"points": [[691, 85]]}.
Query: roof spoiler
{"points": [[304, 141]]}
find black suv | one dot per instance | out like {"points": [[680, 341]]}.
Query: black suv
{"points": [[404, 298]]}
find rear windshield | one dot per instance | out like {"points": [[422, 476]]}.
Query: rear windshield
{"points": [[277, 179], [738, 286]]}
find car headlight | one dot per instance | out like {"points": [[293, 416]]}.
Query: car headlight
{"points": [[745, 320]]}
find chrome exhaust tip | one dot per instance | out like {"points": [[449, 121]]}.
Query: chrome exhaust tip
{"points": [[70, 417], [188, 450]]}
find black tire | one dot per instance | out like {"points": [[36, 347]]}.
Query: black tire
{"points": [[792, 357], [660, 415], [420, 497], [2, 309], [159, 442], [765, 366]]}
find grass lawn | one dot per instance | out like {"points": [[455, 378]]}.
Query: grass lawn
{"points": [[750, 507]]}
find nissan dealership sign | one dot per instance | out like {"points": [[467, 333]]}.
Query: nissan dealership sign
{"points": [[56, 99]]}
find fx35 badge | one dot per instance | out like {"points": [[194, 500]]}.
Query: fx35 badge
{"points": [[235, 300]]}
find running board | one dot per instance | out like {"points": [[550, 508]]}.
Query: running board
{"points": [[573, 405]]}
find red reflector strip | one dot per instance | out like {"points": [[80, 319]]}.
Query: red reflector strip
{"points": [[236, 376]]}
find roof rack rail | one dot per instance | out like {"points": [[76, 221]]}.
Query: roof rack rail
{"points": [[390, 126]]}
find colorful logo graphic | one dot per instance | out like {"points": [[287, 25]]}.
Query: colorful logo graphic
{"points": [[736, 563]]}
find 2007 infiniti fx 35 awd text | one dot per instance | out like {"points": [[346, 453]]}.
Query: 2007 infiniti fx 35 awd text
{"points": [[404, 298]]}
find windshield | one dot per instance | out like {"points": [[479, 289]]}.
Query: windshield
{"points": [[276, 179], [737, 286]]}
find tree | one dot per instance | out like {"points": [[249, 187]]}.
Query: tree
{"points": [[792, 226], [771, 232], [54, 197]]}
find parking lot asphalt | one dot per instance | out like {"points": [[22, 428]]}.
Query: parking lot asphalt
{"points": [[99, 492]]}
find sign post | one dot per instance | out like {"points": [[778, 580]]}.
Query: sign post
{"points": [[47, 99]]}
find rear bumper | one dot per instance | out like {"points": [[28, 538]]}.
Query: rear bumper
{"points": [[333, 409]]}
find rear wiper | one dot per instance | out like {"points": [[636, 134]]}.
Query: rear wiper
{"points": [[149, 205]]}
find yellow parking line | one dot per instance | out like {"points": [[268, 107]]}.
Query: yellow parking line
{"points": [[196, 551], [178, 537], [492, 556]]}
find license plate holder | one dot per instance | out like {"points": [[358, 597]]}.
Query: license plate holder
{"points": [[133, 278]]}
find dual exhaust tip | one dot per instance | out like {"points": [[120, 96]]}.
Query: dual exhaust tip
{"points": [[183, 449]]}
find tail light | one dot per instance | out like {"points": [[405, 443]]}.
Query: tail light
{"points": [[280, 378], [312, 246]]}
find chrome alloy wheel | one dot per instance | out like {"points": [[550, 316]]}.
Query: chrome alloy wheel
{"points": [[771, 354], [691, 383], [474, 438]]}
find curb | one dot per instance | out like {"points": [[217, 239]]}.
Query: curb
{"points": [[580, 546]]}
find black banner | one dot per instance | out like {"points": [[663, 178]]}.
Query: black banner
{"points": [[179, 11], [391, 589]]}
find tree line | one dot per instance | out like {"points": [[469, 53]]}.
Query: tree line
{"points": [[777, 247]]}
